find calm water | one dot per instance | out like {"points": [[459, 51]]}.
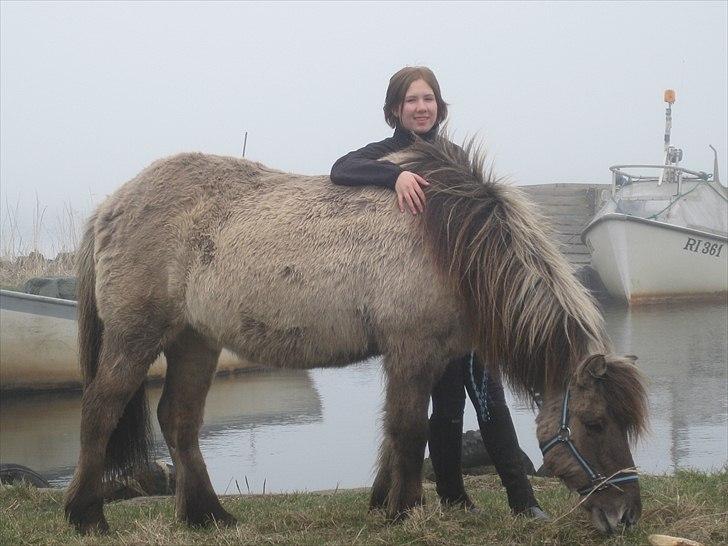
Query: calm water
{"points": [[320, 429]]}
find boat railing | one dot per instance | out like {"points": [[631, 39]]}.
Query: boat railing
{"points": [[620, 177]]}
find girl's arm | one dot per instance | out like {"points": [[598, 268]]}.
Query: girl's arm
{"points": [[362, 167]]}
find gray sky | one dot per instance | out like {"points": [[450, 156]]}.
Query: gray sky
{"points": [[90, 93]]}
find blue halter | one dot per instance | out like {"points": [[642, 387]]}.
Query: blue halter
{"points": [[597, 482]]}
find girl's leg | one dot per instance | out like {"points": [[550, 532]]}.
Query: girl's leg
{"points": [[499, 437], [446, 431]]}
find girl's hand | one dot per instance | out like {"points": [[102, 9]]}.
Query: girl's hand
{"points": [[409, 190]]}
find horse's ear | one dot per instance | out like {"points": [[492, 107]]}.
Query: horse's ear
{"points": [[593, 367]]}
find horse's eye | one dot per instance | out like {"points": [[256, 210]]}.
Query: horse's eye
{"points": [[594, 427]]}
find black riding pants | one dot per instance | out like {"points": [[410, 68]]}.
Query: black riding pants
{"points": [[484, 390]]}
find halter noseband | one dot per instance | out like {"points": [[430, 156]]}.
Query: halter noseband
{"points": [[597, 482]]}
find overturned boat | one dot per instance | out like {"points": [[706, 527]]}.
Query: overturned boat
{"points": [[663, 230]]}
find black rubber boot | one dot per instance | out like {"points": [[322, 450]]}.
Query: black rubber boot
{"points": [[446, 455], [501, 442]]}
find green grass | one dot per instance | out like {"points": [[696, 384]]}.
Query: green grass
{"points": [[690, 505]]}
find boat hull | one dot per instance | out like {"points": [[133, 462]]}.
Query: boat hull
{"points": [[38, 348], [640, 260]]}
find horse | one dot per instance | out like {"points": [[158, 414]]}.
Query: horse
{"points": [[201, 252]]}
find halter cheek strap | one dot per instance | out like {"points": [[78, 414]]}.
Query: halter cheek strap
{"points": [[597, 482]]}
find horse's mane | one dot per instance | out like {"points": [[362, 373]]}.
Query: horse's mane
{"points": [[624, 388], [530, 316]]}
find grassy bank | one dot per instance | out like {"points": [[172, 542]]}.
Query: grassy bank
{"points": [[689, 505]]}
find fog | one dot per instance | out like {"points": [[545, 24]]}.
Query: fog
{"points": [[90, 93]]}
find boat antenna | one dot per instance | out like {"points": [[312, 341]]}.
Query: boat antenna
{"points": [[715, 164], [245, 143]]}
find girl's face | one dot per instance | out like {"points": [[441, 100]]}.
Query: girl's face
{"points": [[418, 112]]}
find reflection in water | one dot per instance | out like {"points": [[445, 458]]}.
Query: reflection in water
{"points": [[41, 431], [319, 429], [683, 349]]}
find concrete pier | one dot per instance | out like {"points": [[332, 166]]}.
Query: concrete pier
{"points": [[569, 208]]}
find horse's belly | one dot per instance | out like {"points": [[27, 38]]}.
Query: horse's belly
{"points": [[305, 345], [283, 329]]}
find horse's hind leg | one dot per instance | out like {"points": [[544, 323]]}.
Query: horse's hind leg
{"points": [[121, 371], [191, 363]]}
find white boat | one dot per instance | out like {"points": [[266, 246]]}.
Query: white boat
{"points": [[663, 231], [38, 349]]}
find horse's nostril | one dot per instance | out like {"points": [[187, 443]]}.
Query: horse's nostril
{"points": [[601, 521], [628, 518]]}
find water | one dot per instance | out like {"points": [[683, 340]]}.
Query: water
{"points": [[292, 431]]}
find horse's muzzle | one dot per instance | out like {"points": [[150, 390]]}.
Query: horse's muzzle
{"points": [[608, 520]]}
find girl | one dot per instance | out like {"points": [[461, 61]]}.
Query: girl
{"points": [[414, 105]]}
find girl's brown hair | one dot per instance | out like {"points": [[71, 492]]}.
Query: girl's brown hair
{"points": [[397, 89]]}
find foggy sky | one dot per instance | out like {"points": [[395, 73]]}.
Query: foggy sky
{"points": [[90, 93]]}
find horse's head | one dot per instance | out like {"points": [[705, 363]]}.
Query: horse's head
{"points": [[585, 434]]}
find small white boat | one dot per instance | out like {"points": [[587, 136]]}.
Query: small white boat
{"points": [[38, 349], [663, 231]]}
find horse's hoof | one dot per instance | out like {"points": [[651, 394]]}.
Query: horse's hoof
{"points": [[92, 528], [398, 516], [89, 519]]}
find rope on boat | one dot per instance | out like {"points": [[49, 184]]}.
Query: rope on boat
{"points": [[681, 195]]}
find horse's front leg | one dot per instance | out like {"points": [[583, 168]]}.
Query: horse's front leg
{"points": [[380, 488], [405, 438]]}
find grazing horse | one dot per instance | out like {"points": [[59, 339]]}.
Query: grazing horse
{"points": [[200, 252]]}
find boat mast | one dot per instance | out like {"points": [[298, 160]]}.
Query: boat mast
{"points": [[670, 100], [672, 155]]}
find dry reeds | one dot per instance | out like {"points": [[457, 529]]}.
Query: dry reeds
{"points": [[22, 257]]}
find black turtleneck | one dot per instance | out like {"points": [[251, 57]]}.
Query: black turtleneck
{"points": [[362, 167]]}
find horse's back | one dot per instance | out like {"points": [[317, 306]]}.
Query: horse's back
{"points": [[288, 267]]}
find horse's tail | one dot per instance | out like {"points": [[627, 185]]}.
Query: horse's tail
{"points": [[530, 314], [90, 327], [130, 442]]}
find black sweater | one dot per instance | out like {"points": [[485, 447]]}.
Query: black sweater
{"points": [[362, 167]]}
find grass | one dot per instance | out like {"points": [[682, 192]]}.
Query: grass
{"points": [[689, 505]]}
